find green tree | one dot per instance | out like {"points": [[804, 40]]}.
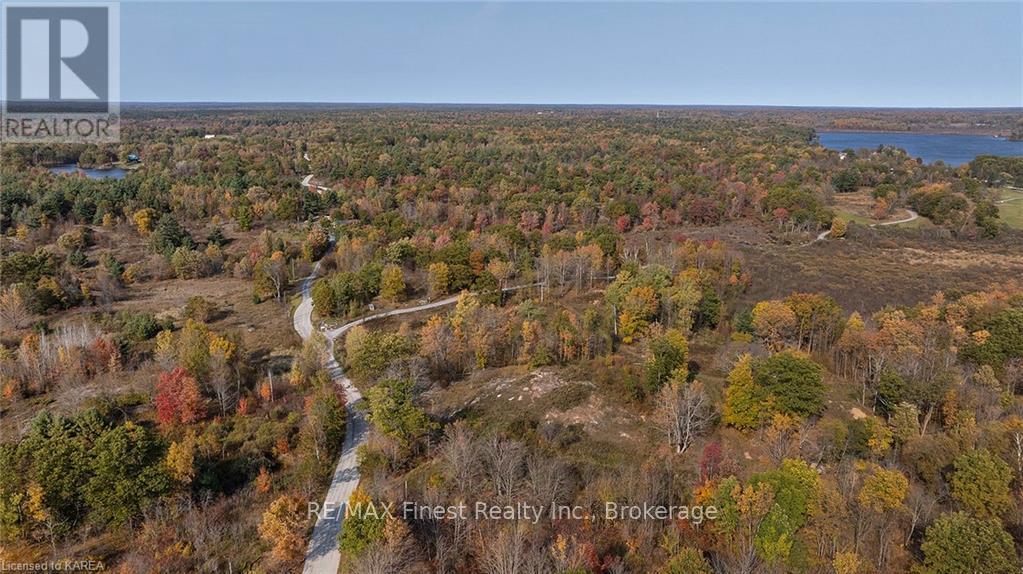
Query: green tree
{"points": [[193, 349], [59, 463], [324, 298], [127, 473], [957, 543], [392, 410], [168, 236], [981, 483], [796, 488], [687, 561], [846, 181], [364, 524], [325, 415], [793, 381], [1005, 340], [669, 359], [368, 354]]}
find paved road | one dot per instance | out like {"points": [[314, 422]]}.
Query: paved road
{"points": [[307, 181], [322, 556]]}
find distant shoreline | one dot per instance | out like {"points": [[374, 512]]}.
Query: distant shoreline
{"points": [[923, 131]]}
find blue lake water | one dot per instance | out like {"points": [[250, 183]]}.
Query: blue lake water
{"points": [[92, 173], [952, 149]]}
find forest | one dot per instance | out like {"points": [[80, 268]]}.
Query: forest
{"points": [[697, 308]]}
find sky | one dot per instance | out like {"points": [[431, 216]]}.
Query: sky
{"points": [[890, 54]]}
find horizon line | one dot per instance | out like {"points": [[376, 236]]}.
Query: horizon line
{"points": [[556, 104]]}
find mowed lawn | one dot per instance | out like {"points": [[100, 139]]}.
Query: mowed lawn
{"points": [[1011, 212]]}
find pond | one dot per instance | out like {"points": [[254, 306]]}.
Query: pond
{"points": [[954, 150], [92, 173]]}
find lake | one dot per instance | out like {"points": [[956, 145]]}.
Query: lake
{"points": [[92, 173], [952, 149]]}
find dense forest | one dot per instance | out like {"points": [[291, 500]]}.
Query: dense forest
{"points": [[683, 308]]}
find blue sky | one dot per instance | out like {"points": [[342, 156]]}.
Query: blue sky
{"points": [[919, 54]]}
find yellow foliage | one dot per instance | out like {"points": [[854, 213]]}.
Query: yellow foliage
{"points": [[225, 348], [143, 219], [180, 460], [35, 506]]}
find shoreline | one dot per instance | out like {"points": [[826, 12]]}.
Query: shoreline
{"points": [[929, 132]]}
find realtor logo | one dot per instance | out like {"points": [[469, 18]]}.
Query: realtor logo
{"points": [[61, 72]]}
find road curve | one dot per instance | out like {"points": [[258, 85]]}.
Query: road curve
{"points": [[322, 555], [307, 181], [912, 215]]}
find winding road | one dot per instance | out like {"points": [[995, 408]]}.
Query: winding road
{"points": [[322, 555], [307, 181], [912, 216]]}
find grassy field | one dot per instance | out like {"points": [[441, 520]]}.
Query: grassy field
{"points": [[1011, 212], [864, 220], [856, 207], [854, 217]]}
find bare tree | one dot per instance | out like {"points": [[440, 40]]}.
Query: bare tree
{"points": [[384, 557], [450, 538], [504, 464], [506, 552], [107, 288], [685, 412], [220, 381], [547, 479], [460, 454], [922, 507]]}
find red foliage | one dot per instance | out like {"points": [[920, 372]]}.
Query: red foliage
{"points": [[704, 211], [623, 223], [710, 462], [178, 399]]}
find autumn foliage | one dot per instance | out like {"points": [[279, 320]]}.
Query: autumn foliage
{"points": [[178, 400]]}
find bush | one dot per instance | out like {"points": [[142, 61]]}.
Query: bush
{"points": [[199, 309], [138, 327]]}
